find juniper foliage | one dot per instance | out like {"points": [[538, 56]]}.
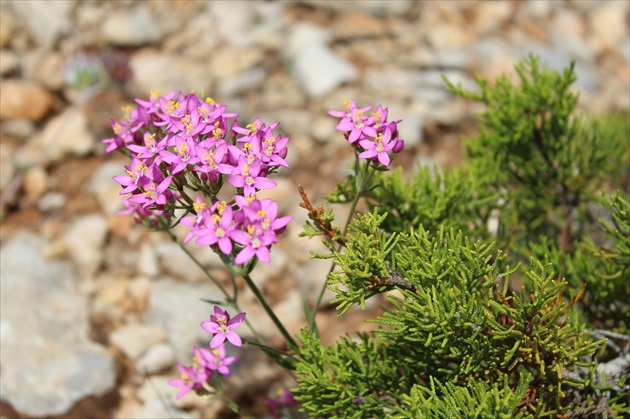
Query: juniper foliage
{"points": [[528, 320]]}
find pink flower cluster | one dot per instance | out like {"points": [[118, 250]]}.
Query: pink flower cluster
{"points": [[181, 143], [207, 362], [285, 400], [373, 135]]}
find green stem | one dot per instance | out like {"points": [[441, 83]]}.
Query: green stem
{"points": [[353, 206], [268, 309], [228, 300], [234, 407]]}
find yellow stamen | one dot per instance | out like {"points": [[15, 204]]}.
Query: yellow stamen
{"points": [[199, 206]]}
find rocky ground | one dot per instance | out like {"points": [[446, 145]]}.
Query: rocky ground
{"points": [[96, 310]]}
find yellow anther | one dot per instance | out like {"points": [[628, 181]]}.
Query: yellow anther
{"points": [[127, 111], [149, 138], [221, 207], [252, 128], [199, 206], [261, 213], [117, 128], [209, 101], [154, 94]]}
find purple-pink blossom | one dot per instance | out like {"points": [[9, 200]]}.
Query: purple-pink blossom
{"points": [[184, 149], [284, 399], [215, 360], [222, 327], [372, 135]]}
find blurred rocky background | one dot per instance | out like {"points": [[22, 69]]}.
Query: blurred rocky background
{"points": [[95, 310]]}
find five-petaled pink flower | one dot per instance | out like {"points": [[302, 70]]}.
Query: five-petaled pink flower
{"points": [[222, 326]]}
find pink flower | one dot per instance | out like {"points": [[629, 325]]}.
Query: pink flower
{"points": [[216, 360], [249, 176], [378, 148], [223, 327], [219, 228], [285, 399], [256, 242], [188, 381]]}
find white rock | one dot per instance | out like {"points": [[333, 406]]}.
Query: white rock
{"points": [[232, 27], [410, 129], [228, 62], [157, 358], [377, 7], [106, 189], [178, 308], [65, 134], [316, 67], [50, 360], [134, 340], [132, 27], [535, 9], [147, 261], [45, 20], [51, 201], [84, 240], [156, 71], [239, 83]]}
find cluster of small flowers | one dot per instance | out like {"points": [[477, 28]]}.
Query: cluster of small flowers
{"points": [[208, 361], [179, 141], [374, 136], [284, 400]]}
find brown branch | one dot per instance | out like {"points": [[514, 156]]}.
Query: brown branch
{"points": [[317, 214]]}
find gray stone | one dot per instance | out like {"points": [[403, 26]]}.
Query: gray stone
{"points": [[315, 66], [566, 32], [65, 134], [47, 361], [165, 72], [45, 20], [377, 7], [51, 201], [157, 358], [133, 340], [133, 27], [178, 308], [147, 261], [106, 189], [410, 129], [84, 240]]}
